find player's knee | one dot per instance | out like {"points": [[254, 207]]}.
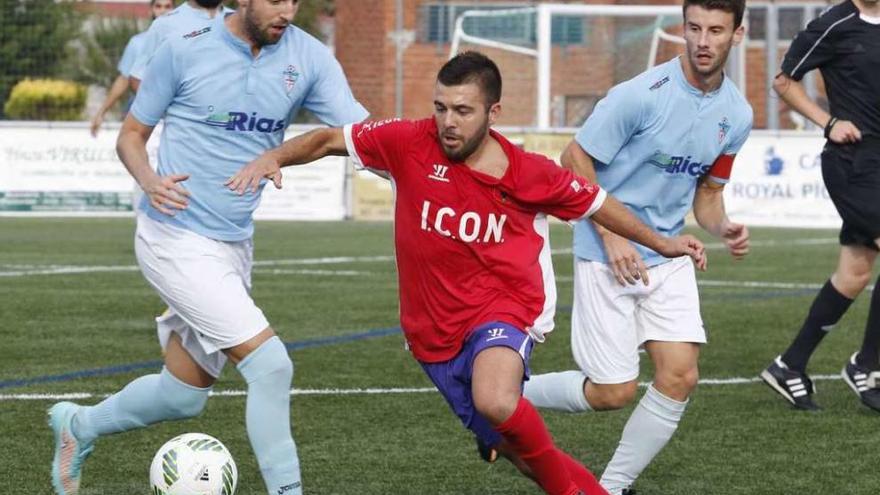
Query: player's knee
{"points": [[268, 363], [677, 384], [496, 405], [852, 280], [605, 397]]}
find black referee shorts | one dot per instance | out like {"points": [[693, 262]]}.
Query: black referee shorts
{"points": [[852, 176]]}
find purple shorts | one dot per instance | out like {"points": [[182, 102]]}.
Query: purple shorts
{"points": [[453, 377]]}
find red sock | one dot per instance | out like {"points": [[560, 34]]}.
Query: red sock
{"points": [[582, 476], [529, 439]]}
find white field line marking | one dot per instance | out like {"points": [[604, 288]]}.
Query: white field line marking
{"points": [[360, 391], [283, 271], [29, 270]]}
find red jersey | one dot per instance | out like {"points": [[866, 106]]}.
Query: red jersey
{"points": [[470, 248]]}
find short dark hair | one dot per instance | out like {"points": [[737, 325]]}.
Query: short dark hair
{"points": [[473, 67], [735, 7]]}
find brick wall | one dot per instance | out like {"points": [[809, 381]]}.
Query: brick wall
{"points": [[581, 73]]}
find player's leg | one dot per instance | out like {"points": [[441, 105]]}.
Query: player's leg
{"points": [[266, 367], [604, 345], [668, 322], [657, 415], [496, 386], [787, 374], [179, 391]]}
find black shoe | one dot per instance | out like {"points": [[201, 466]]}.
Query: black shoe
{"points": [[863, 382], [628, 491], [794, 386], [486, 452]]}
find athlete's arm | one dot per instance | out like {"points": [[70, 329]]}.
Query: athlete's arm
{"points": [[117, 89], [614, 216], [711, 216], [624, 260], [300, 150], [165, 194], [794, 95]]}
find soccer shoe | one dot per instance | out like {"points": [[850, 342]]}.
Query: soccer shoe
{"points": [[628, 491], [70, 453], [863, 382], [794, 386], [486, 452]]}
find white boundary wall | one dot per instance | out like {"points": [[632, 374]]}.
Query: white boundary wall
{"points": [[59, 169], [49, 169]]}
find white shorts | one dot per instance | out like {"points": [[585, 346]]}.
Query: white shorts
{"points": [[610, 322], [206, 285]]}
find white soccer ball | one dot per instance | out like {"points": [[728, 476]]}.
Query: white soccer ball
{"points": [[193, 464]]}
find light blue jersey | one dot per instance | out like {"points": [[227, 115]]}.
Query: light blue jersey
{"points": [[130, 54], [652, 138], [182, 20], [223, 108]]}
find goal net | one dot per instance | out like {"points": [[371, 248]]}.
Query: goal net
{"points": [[568, 56]]}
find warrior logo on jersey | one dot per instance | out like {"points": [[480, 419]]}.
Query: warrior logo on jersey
{"points": [[439, 173], [290, 77], [723, 127]]}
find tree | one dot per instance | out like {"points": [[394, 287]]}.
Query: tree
{"points": [[33, 40], [309, 13]]}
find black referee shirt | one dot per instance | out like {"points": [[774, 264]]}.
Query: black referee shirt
{"points": [[846, 50]]}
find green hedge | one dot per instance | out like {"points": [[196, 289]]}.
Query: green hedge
{"points": [[46, 99]]}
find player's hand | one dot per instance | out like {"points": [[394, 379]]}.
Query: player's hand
{"points": [[624, 260], [249, 177], [166, 194], [845, 132], [686, 245], [97, 120], [736, 238]]}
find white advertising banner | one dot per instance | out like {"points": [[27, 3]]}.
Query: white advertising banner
{"points": [[777, 182], [59, 169]]}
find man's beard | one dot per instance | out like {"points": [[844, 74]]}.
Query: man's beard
{"points": [[209, 4]]}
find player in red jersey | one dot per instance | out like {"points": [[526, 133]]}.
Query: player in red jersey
{"points": [[473, 254]]}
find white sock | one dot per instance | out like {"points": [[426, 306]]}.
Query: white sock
{"points": [[563, 391], [648, 430]]}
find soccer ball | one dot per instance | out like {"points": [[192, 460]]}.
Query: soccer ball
{"points": [[193, 464]]}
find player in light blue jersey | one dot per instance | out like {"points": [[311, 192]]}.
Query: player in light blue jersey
{"points": [[227, 93], [190, 16], [129, 54], [661, 143]]}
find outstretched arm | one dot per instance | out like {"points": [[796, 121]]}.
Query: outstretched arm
{"points": [[302, 149], [616, 226]]}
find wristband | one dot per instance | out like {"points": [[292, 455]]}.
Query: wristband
{"points": [[829, 126]]}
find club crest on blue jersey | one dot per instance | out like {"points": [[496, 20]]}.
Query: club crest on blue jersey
{"points": [[723, 127], [290, 77], [678, 165]]}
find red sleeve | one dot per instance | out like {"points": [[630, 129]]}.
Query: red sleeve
{"points": [[558, 191], [378, 144], [720, 170]]}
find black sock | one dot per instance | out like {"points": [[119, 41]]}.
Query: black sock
{"points": [[827, 309], [869, 356]]}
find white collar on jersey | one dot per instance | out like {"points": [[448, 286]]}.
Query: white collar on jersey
{"points": [[869, 19]]}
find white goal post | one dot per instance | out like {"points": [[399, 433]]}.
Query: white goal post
{"points": [[543, 46]]}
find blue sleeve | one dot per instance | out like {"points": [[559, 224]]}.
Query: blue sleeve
{"points": [[129, 55], [158, 88], [149, 46], [739, 139], [613, 122], [330, 97]]}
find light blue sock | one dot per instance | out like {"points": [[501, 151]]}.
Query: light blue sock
{"points": [[147, 400], [268, 372]]}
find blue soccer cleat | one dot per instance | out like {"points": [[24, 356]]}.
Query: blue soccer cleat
{"points": [[70, 453]]}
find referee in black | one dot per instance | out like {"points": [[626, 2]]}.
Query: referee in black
{"points": [[844, 44]]}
